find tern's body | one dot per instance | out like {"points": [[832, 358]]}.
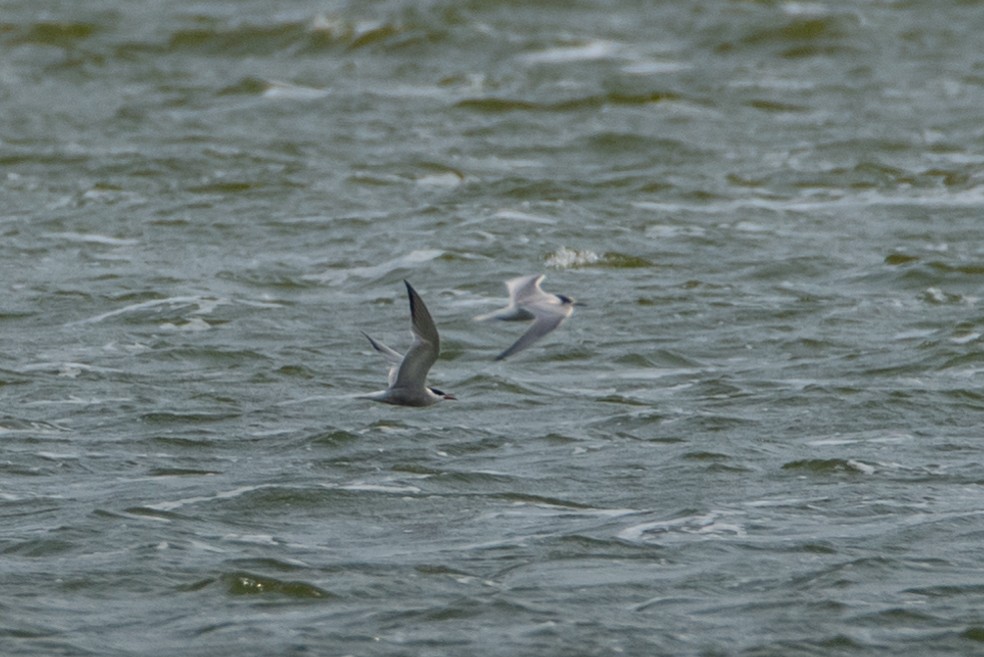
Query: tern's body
{"points": [[528, 302], [408, 373]]}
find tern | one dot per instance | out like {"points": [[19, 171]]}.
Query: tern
{"points": [[408, 372], [527, 301]]}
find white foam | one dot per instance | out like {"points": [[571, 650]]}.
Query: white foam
{"points": [[863, 468], [706, 526], [516, 215], [287, 91], [93, 238], [193, 324], [67, 369], [407, 261], [375, 488], [447, 179], [205, 304], [564, 258], [186, 501], [584, 52]]}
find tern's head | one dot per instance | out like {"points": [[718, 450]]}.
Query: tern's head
{"points": [[443, 395]]}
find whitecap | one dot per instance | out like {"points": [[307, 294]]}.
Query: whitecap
{"points": [[446, 179], [564, 258], [654, 67], [287, 91], [78, 401], [222, 495], [876, 436], [750, 227], [786, 502], [407, 261], [255, 539], [668, 231], [58, 456], [204, 304], [863, 468], [807, 9], [375, 488], [516, 215], [582, 52], [68, 369], [706, 526], [193, 324], [93, 238], [936, 295]]}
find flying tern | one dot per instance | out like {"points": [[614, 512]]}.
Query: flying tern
{"points": [[408, 373], [528, 302]]}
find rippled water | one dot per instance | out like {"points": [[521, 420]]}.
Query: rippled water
{"points": [[760, 436]]}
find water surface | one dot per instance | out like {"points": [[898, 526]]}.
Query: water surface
{"points": [[759, 437]]}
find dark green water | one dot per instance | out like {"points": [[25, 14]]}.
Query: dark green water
{"points": [[761, 436]]}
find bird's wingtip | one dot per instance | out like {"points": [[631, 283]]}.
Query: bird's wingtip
{"points": [[411, 292]]}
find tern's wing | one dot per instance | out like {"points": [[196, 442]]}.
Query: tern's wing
{"points": [[426, 344], [522, 291], [509, 313], [546, 321], [391, 355], [524, 287]]}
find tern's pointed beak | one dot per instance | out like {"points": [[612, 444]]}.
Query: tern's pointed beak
{"points": [[442, 394]]}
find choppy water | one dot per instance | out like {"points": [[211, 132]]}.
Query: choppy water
{"points": [[761, 435]]}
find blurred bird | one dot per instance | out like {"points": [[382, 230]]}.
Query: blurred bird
{"points": [[528, 302]]}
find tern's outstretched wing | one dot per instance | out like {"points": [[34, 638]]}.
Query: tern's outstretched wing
{"points": [[391, 355], [524, 288], [545, 323], [425, 348], [509, 314]]}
